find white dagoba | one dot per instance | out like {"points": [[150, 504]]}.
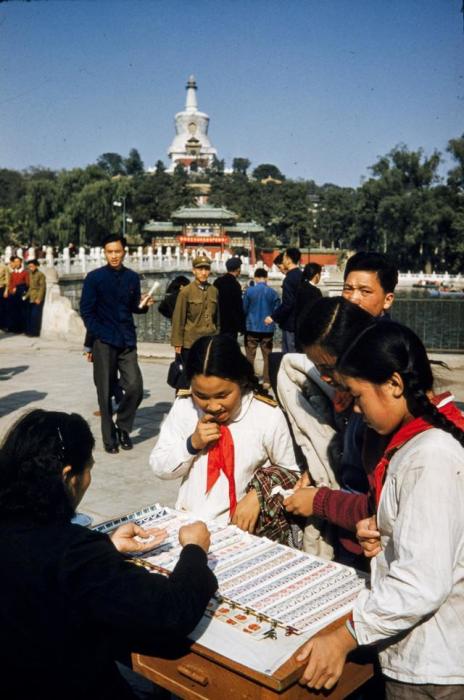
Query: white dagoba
{"points": [[191, 144]]}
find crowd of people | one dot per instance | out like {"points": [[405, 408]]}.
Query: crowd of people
{"points": [[370, 457], [22, 296]]}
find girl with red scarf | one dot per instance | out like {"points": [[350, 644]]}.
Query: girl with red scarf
{"points": [[414, 611], [228, 442]]}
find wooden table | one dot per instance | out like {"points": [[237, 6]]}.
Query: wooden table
{"points": [[197, 673]]}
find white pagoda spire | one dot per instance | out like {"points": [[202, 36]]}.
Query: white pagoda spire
{"points": [[191, 104], [191, 146]]}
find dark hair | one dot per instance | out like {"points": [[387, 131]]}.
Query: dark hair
{"points": [[220, 356], [233, 264], [311, 270], [32, 458], [386, 270], [14, 257], [332, 322], [260, 272], [114, 238], [294, 254], [279, 259], [178, 282], [387, 347]]}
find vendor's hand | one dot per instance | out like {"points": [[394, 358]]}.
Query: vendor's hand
{"points": [[246, 513], [301, 501], [368, 536], [268, 320], [327, 654], [124, 538], [88, 356], [195, 533], [206, 433]]}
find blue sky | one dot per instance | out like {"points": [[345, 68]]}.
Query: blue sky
{"points": [[321, 88]]}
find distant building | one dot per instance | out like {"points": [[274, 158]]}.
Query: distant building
{"points": [[214, 229], [191, 146]]}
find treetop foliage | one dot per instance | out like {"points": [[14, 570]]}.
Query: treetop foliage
{"points": [[404, 207]]}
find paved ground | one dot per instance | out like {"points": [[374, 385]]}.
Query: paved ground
{"points": [[56, 376], [35, 373]]}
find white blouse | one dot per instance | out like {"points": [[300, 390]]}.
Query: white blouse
{"points": [[416, 604], [261, 439]]}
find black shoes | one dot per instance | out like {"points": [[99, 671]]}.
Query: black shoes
{"points": [[124, 439], [111, 449]]}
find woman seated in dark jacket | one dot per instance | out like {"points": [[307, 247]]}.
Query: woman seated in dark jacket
{"points": [[69, 600]]}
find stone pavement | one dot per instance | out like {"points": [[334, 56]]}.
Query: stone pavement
{"points": [[54, 375], [37, 373]]}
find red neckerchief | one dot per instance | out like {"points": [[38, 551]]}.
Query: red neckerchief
{"points": [[408, 431], [221, 457]]}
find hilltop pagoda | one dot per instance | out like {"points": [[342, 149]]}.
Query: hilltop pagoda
{"points": [[191, 146]]}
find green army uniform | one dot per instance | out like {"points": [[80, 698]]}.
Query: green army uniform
{"points": [[37, 285], [34, 298], [195, 314], [4, 281]]}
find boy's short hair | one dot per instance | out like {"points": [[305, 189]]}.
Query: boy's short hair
{"points": [[294, 254], [114, 238], [279, 259], [260, 272], [386, 270]]}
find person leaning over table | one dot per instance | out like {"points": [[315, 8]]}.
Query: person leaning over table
{"points": [[196, 312], [71, 601]]}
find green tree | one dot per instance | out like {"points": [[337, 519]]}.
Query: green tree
{"points": [[133, 164], [111, 163], [12, 187], [240, 165], [265, 170]]}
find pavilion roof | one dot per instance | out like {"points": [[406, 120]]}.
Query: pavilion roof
{"points": [[203, 212]]}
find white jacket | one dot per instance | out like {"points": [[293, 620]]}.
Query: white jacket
{"points": [[261, 438], [416, 604]]}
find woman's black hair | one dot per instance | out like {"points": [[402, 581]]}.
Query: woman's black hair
{"points": [[385, 348], [32, 458], [332, 323], [178, 282], [310, 271], [220, 356]]}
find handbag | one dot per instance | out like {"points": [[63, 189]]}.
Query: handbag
{"points": [[176, 376]]}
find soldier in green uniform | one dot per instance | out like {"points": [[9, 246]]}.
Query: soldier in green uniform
{"points": [[34, 298], [196, 311]]}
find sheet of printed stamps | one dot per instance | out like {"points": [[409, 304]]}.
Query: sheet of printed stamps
{"points": [[262, 584]]}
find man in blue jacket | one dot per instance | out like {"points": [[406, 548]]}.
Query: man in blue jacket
{"points": [[111, 294], [285, 314], [259, 302]]}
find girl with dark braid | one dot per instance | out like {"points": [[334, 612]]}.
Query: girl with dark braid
{"points": [[414, 610]]}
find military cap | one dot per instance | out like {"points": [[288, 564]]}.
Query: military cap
{"points": [[201, 261]]}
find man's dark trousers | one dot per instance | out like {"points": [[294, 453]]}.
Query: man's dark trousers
{"points": [[107, 361]]}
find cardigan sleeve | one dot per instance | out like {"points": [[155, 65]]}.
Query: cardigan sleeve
{"points": [[106, 588]]}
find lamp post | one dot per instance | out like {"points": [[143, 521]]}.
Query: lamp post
{"points": [[119, 203]]}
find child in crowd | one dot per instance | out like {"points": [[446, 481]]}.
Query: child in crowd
{"points": [[225, 439], [414, 610], [328, 328], [68, 598]]}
